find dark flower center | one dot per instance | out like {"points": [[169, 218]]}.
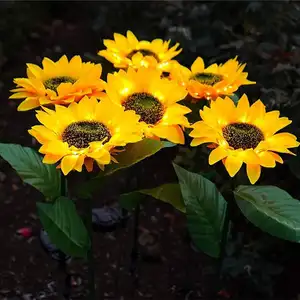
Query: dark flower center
{"points": [[242, 135], [207, 78], [145, 105], [53, 83], [80, 134], [145, 52]]}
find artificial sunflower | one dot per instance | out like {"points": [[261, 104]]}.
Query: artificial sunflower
{"points": [[128, 51], [213, 81], [84, 132], [243, 134], [61, 82], [153, 98]]}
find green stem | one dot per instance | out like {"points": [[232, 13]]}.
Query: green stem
{"points": [[224, 238], [134, 251], [90, 256], [62, 267]]}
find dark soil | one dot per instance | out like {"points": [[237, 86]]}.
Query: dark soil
{"points": [[32, 30]]}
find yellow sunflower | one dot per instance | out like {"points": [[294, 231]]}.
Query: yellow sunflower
{"points": [[61, 82], [84, 132], [128, 51], [213, 81], [153, 98], [243, 134]]}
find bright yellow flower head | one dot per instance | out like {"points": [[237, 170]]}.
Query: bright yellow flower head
{"points": [[61, 82], [85, 132], [243, 134], [153, 98], [213, 81], [128, 51]]}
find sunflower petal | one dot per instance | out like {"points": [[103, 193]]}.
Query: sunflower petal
{"points": [[253, 172], [198, 65], [68, 163], [233, 165], [172, 133], [29, 103], [216, 155]]}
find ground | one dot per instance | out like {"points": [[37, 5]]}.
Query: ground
{"points": [[34, 30]]}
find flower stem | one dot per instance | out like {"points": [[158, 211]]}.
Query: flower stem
{"points": [[134, 251], [90, 256], [224, 238], [62, 266]]}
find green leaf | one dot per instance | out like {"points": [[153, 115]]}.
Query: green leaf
{"points": [[169, 192], [271, 209], [130, 201], [235, 98], [135, 153], [64, 227], [206, 209], [29, 165]]}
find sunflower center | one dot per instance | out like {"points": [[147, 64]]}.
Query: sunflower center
{"points": [[242, 135], [53, 83], [80, 134], [145, 105], [207, 78], [145, 52]]}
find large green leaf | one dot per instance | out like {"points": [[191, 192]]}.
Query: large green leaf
{"points": [[135, 153], [64, 227], [29, 165], [169, 192], [205, 208], [132, 154], [131, 200], [271, 209]]}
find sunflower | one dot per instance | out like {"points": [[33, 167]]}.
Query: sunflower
{"points": [[128, 51], [243, 134], [153, 98], [213, 81], [84, 132], [61, 82]]}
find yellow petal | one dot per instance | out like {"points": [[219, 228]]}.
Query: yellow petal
{"points": [[51, 159], [29, 103], [34, 71], [267, 159], [253, 172], [172, 133], [243, 108], [216, 155], [133, 41], [198, 141], [79, 163], [233, 165], [277, 157], [257, 111], [249, 157], [55, 147], [68, 163], [198, 65], [20, 95], [42, 133]]}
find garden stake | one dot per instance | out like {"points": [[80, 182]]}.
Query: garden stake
{"points": [[134, 251]]}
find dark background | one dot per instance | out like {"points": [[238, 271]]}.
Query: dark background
{"points": [[263, 34]]}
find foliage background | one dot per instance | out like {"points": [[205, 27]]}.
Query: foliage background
{"points": [[263, 34]]}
